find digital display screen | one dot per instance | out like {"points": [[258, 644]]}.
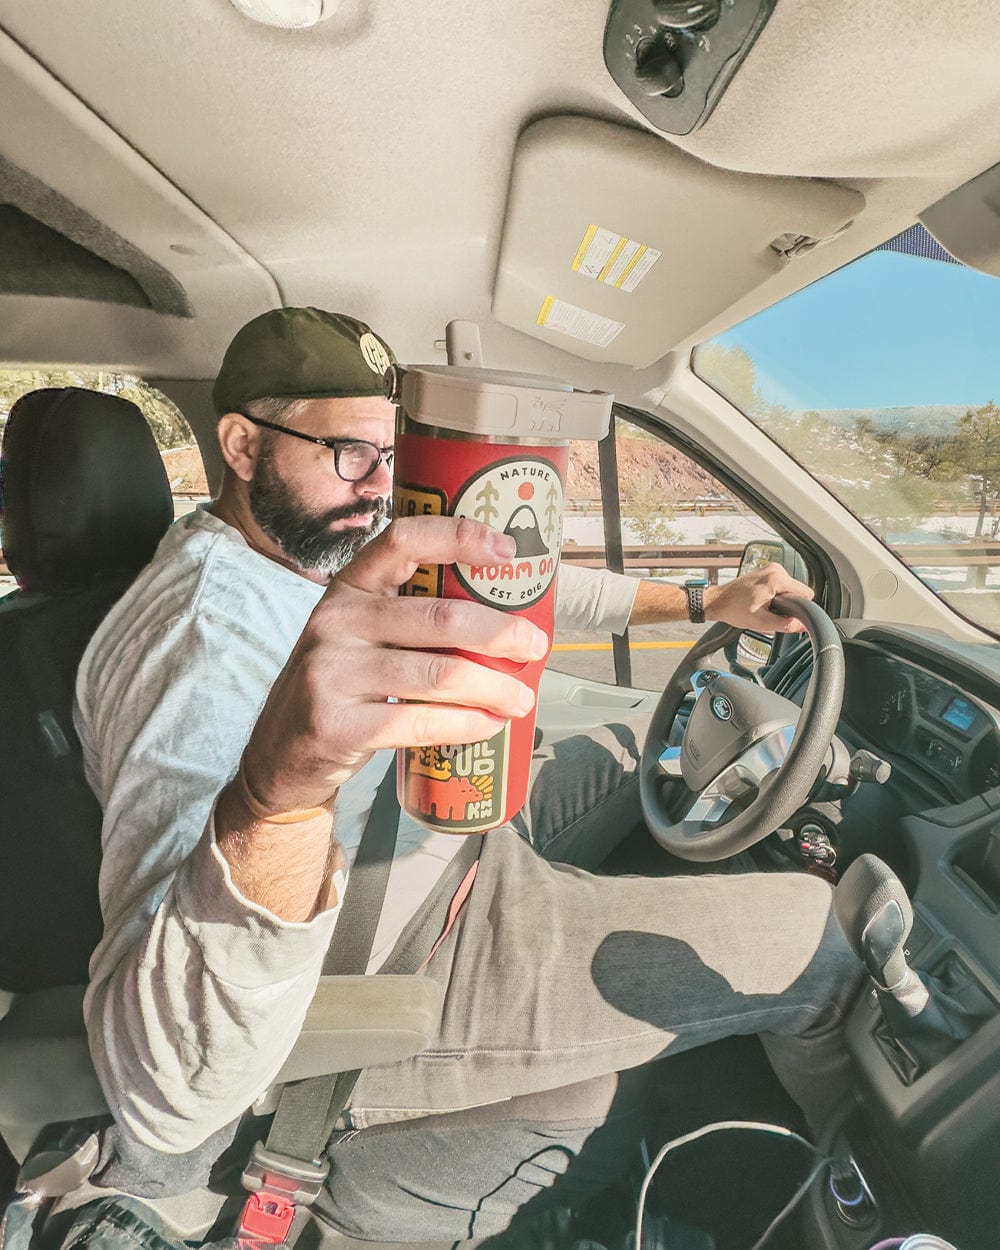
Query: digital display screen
{"points": [[959, 714]]}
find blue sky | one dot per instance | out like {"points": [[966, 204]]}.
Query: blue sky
{"points": [[888, 331]]}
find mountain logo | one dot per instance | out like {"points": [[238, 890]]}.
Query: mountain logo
{"points": [[523, 498], [523, 528]]}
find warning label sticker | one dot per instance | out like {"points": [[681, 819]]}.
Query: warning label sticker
{"points": [[524, 499], [578, 323], [611, 258]]}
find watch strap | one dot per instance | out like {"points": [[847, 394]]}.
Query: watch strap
{"points": [[696, 603]]}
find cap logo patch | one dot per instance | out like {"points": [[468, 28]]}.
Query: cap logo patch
{"points": [[376, 357]]}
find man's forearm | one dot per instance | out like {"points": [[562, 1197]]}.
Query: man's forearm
{"points": [[284, 864], [657, 602], [192, 1018], [744, 602]]}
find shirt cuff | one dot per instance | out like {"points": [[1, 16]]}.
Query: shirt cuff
{"points": [[241, 941]]}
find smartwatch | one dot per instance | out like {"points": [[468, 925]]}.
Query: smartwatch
{"points": [[694, 588]]}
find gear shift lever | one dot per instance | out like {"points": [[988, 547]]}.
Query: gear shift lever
{"points": [[876, 916], [922, 1022]]}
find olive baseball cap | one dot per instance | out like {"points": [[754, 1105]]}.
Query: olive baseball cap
{"points": [[301, 353]]}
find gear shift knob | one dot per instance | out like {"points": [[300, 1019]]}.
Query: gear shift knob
{"points": [[876, 916], [922, 1022]]}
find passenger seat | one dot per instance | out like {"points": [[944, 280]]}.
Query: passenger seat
{"points": [[84, 501]]}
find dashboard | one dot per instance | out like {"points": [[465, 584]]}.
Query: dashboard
{"points": [[930, 707], [931, 721]]}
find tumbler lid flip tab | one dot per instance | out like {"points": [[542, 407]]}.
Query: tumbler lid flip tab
{"points": [[496, 403]]}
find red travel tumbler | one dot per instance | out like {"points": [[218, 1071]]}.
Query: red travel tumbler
{"points": [[491, 446]]}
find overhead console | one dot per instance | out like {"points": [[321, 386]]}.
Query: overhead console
{"points": [[606, 224], [674, 58]]}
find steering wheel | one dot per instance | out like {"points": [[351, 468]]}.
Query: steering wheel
{"points": [[749, 757]]}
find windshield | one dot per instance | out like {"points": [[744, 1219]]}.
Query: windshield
{"points": [[881, 380]]}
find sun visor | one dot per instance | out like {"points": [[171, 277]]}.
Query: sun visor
{"points": [[618, 246], [965, 222]]}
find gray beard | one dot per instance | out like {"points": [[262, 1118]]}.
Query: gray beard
{"points": [[306, 538]]}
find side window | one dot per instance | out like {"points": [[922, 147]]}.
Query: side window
{"points": [[676, 522], [181, 457]]}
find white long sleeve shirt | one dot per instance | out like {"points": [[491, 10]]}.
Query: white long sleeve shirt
{"points": [[197, 994]]}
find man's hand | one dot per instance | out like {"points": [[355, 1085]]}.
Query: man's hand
{"points": [[745, 602], [328, 711], [329, 708]]}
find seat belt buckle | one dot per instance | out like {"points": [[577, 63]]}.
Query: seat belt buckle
{"points": [[277, 1184], [266, 1217]]}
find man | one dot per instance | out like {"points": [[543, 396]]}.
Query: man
{"points": [[237, 697]]}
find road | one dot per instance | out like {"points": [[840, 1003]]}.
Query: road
{"points": [[656, 650]]}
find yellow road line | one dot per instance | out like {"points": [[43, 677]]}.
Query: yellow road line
{"points": [[606, 646]]}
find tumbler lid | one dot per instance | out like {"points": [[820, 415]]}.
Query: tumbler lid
{"points": [[494, 402]]}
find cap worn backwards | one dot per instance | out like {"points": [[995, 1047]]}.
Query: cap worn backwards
{"points": [[303, 353]]}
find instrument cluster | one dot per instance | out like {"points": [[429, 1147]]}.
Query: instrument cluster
{"points": [[903, 710]]}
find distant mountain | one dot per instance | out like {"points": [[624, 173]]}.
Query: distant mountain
{"points": [[917, 419]]}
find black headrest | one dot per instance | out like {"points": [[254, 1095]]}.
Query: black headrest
{"points": [[83, 490]]}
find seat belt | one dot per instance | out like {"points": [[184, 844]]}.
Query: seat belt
{"points": [[290, 1168]]}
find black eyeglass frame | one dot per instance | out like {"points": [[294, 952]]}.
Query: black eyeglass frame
{"points": [[336, 445]]}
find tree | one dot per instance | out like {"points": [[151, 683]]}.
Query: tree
{"points": [[168, 425], [732, 372], [649, 519], [977, 450]]}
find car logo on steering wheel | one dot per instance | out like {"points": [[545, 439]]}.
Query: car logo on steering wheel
{"points": [[722, 708]]}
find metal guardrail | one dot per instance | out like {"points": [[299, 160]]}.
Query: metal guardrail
{"points": [[707, 557], [711, 557]]}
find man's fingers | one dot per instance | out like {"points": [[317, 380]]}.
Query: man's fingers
{"points": [[419, 724], [431, 677], [392, 558], [787, 625], [781, 582], [417, 623]]}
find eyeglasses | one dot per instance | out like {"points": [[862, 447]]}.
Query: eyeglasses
{"points": [[354, 459]]}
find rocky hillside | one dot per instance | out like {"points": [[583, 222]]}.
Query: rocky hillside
{"points": [[185, 471], [643, 465]]}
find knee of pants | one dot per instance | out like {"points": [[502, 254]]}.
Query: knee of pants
{"points": [[468, 1174]]}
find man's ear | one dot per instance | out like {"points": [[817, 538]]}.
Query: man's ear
{"points": [[239, 440]]}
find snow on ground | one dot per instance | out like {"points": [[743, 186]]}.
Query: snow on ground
{"points": [[588, 531]]}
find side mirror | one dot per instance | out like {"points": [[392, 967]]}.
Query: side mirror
{"points": [[751, 653], [773, 551]]}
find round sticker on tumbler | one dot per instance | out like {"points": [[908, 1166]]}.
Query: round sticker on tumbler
{"points": [[523, 498]]}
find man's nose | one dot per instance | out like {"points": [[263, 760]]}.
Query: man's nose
{"points": [[379, 482]]}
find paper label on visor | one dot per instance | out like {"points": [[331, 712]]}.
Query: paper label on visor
{"points": [[523, 498]]}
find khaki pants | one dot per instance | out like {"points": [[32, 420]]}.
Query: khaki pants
{"points": [[554, 975]]}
